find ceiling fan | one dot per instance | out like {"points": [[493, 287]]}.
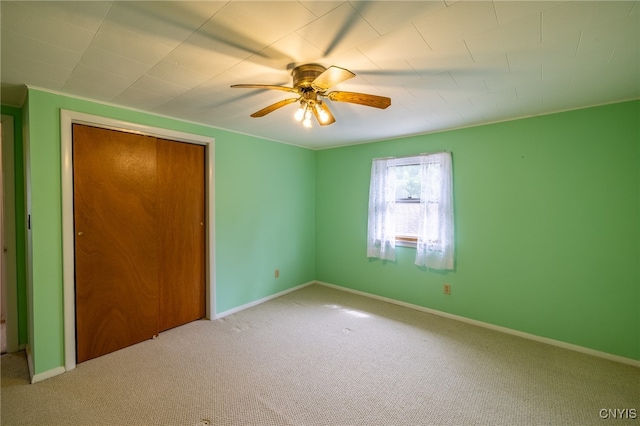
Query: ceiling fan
{"points": [[311, 83]]}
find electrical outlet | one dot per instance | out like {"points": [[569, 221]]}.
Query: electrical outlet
{"points": [[446, 289], [276, 274]]}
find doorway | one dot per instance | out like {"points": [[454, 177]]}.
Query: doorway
{"points": [[8, 273], [68, 118]]}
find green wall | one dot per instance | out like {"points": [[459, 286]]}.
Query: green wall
{"points": [[547, 226], [21, 271], [264, 215]]}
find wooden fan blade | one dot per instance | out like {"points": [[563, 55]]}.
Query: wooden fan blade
{"points": [[381, 102], [330, 118], [330, 77], [273, 107], [265, 86]]}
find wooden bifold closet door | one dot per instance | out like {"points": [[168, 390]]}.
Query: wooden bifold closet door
{"points": [[139, 213], [181, 209]]}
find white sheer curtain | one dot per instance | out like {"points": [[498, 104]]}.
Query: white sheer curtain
{"points": [[381, 232], [435, 246]]}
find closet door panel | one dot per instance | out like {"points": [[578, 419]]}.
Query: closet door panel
{"points": [[116, 242], [181, 232]]}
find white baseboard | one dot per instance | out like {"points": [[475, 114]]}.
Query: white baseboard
{"points": [[35, 378], [264, 299], [552, 342], [47, 374]]}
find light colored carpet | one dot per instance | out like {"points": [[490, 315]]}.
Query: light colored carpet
{"points": [[320, 356]]}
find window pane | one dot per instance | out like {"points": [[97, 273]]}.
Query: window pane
{"points": [[407, 218], [408, 182]]}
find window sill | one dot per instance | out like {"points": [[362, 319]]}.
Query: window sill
{"points": [[402, 241]]}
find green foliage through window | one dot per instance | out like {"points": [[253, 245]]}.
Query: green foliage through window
{"points": [[408, 182]]}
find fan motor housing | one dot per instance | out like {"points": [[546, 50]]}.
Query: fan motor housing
{"points": [[303, 75]]}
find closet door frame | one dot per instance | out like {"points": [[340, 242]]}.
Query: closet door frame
{"points": [[67, 119]]}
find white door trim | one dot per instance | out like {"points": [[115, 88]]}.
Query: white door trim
{"points": [[67, 119]]}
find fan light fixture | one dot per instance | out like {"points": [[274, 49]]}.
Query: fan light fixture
{"points": [[311, 82], [307, 109]]}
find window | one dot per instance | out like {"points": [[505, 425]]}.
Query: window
{"points": [[407, 209], [411, 203]]}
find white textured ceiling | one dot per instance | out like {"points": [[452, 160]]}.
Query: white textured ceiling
{"points": [[444, 64]]}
